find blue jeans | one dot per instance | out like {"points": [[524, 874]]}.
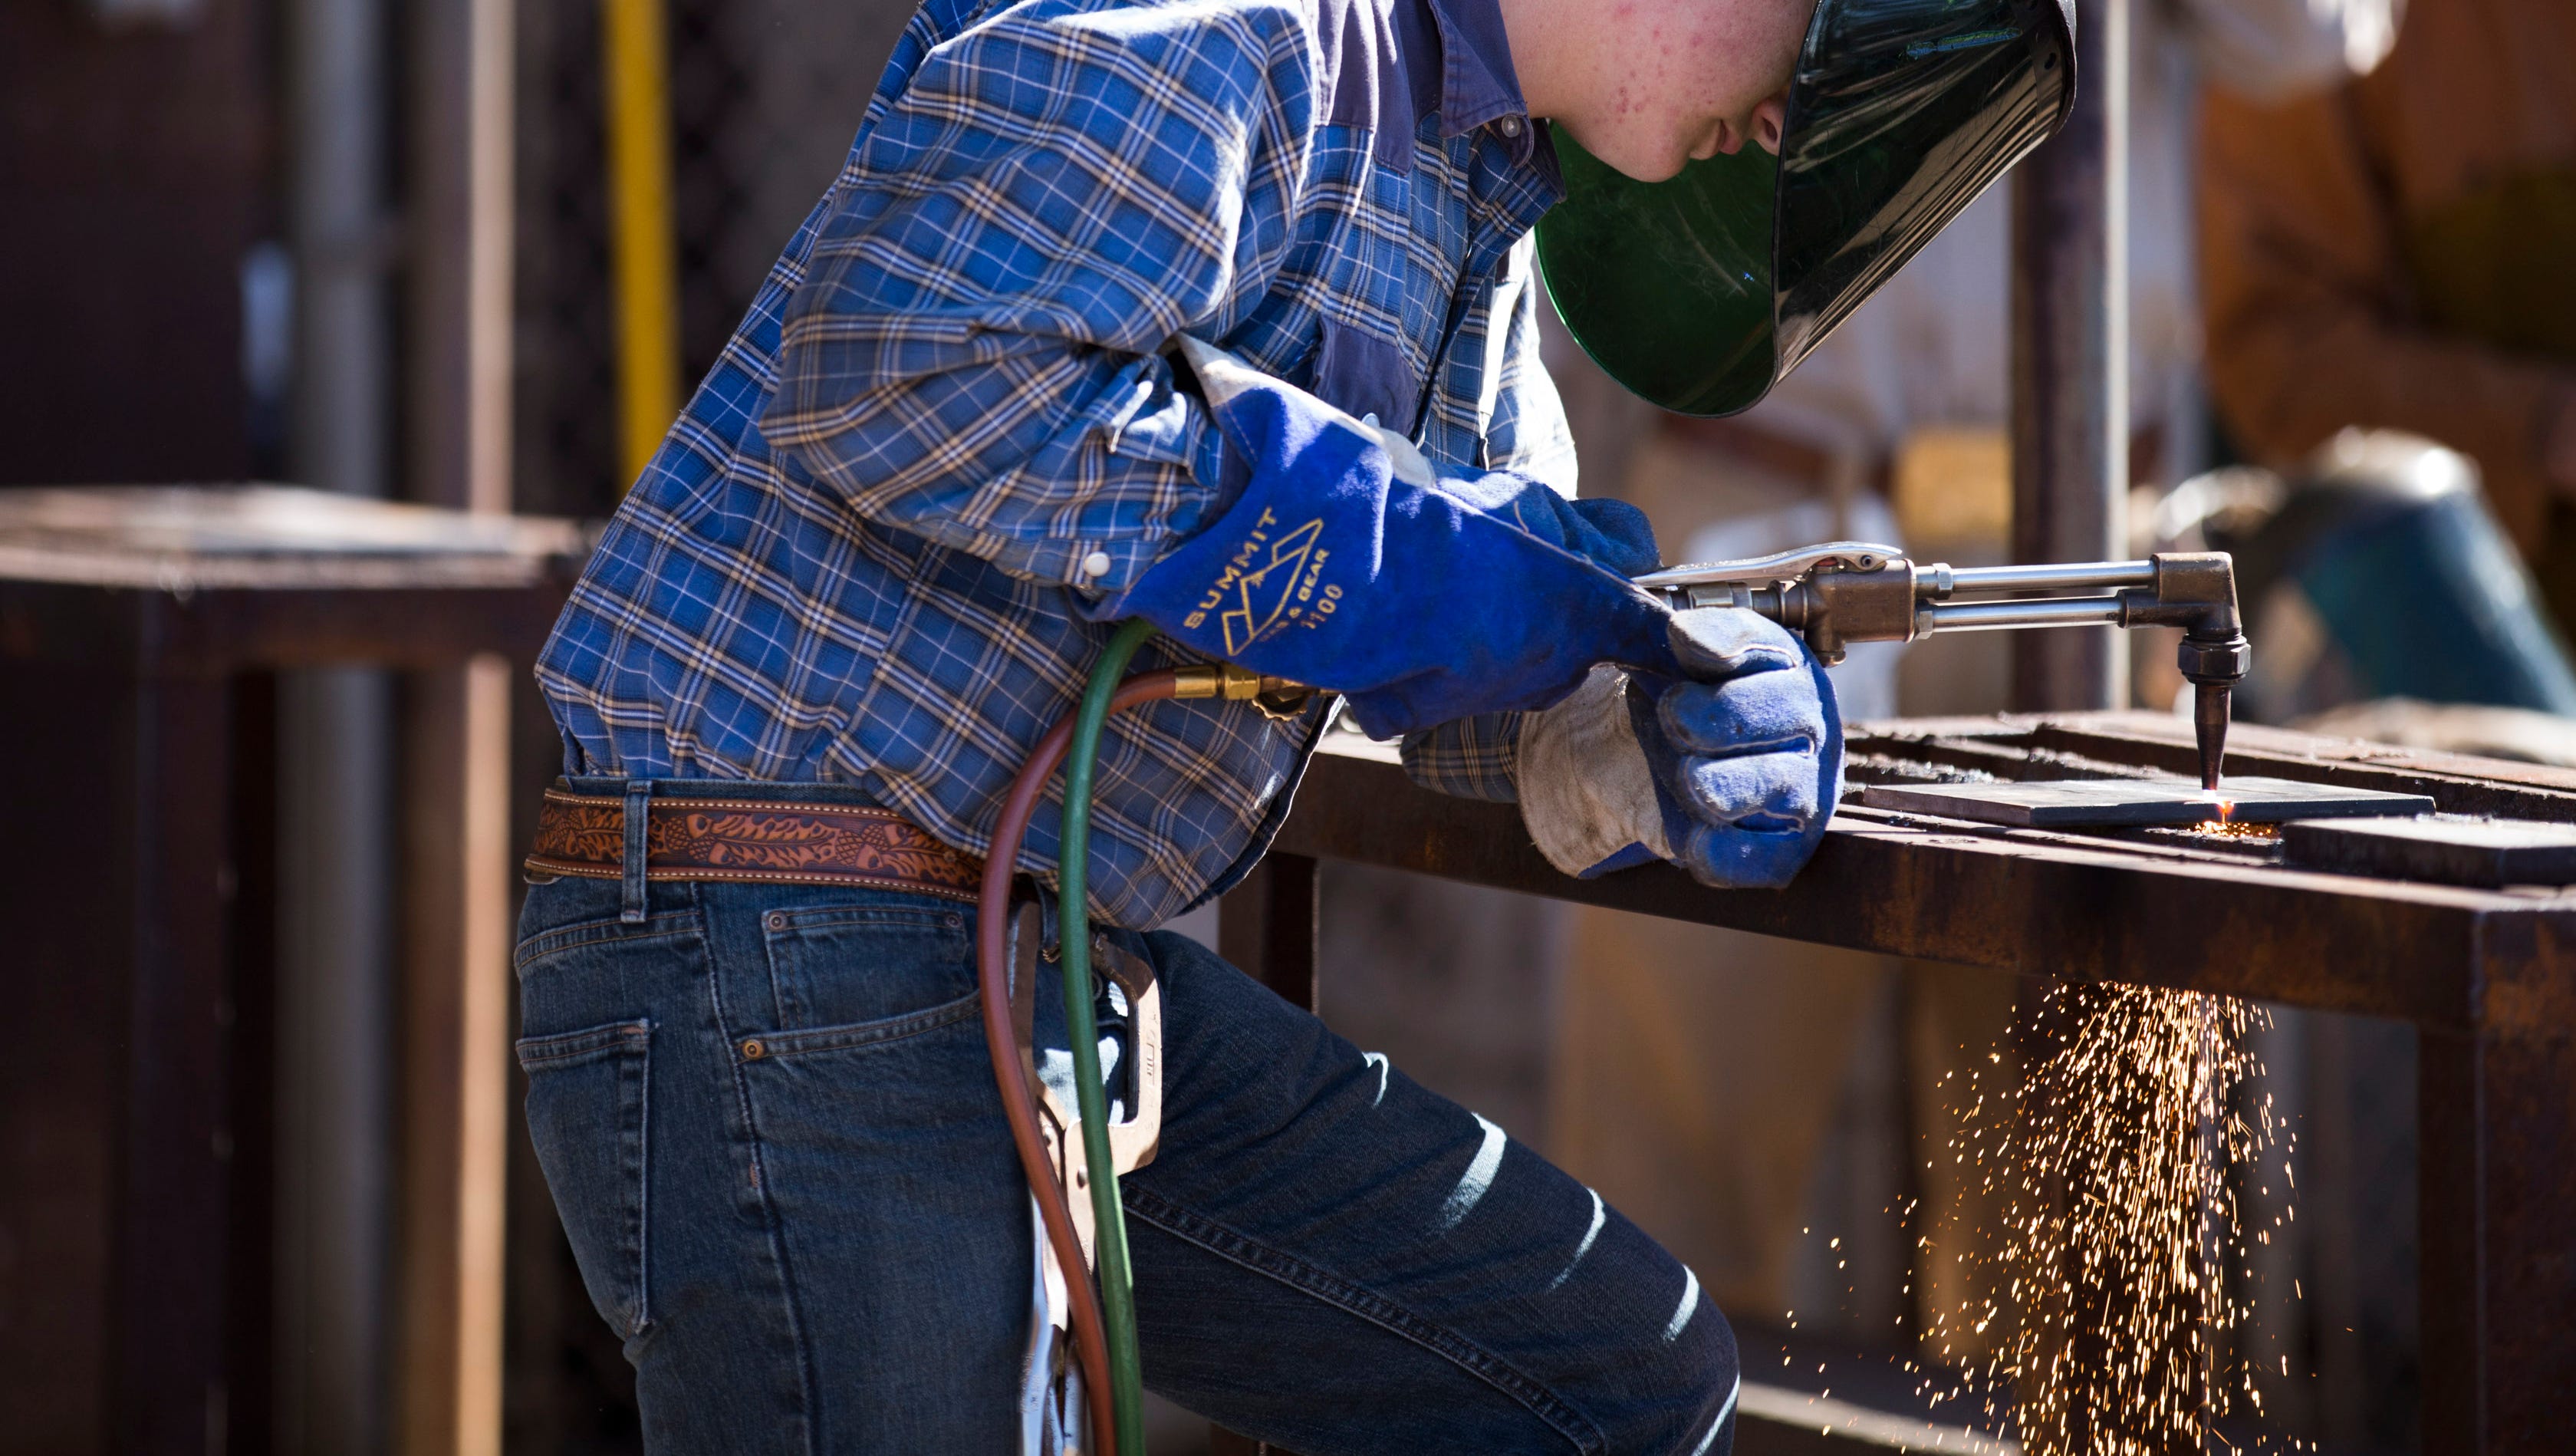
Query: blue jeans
{"points": [[768, 1121]]}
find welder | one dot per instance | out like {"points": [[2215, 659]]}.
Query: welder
{"points": [[1221, 315]]}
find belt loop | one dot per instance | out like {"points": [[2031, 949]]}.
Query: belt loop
{"points": [[639, 794]]}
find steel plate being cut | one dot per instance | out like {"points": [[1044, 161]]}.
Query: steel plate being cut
{"points": [[2079, 803]]}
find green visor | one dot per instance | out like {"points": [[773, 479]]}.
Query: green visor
{"points": [[1698, 293]]}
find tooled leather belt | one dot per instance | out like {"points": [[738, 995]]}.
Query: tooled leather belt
{"points": [[750, 841]]}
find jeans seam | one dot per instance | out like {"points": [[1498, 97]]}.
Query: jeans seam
{"points": [[549, 943], [568, 1045], [644, 1194], [833, 917], [1367, 1304], [866, 1033], [808, 1380]]}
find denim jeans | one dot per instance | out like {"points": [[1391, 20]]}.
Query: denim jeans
{"points": [[769, 1124]]}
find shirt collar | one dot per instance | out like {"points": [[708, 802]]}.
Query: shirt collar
{"points": [[1459, 64]]}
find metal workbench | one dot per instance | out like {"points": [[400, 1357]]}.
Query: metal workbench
{"points": [[2487, 977], [140, 629]]}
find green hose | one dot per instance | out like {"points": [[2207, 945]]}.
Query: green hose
{"points": [[1073, 919]]}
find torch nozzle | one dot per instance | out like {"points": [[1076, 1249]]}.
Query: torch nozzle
{"points": [[2209, 724], [2213, 662]]}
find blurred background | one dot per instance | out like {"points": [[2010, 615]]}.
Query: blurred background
{"points": [[465, 253]]}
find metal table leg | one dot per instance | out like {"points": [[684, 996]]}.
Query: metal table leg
{"points": [[2497, 1176], [168, 1365]]}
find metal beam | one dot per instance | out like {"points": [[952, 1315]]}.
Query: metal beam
{"points": [[457, 984], [2020, 900], [1266, 927], [334, 1093]]}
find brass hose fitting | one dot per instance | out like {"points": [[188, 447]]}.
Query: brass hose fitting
{"points": [[1237, 684]]}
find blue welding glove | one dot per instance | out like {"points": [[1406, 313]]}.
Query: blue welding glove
{"points": [[1730, 771], [1346, 562]]}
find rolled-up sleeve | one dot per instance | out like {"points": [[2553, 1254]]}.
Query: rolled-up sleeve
{"points": [[1469, 758], [972, 356]]}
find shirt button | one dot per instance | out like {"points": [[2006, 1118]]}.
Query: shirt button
{"points": [[1509, 126], [1096, 564]]}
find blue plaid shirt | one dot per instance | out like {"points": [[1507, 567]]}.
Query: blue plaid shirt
{"points": [[947, 422]]}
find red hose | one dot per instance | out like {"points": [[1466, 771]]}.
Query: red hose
{"points": [[1019, 1099]]}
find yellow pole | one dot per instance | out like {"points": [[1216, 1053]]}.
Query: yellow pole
{"points": [[641, 245]]}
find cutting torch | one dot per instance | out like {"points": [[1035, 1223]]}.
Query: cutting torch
{"points": [[1852, 591]]}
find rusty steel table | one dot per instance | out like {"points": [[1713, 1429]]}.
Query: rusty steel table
{"points": [[131, 622], [2486, 977]]}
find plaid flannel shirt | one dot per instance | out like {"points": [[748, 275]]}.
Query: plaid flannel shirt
{"points": [[946, 423]]}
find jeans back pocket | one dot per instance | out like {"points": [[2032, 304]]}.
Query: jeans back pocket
{"points": [[589, 1100]]}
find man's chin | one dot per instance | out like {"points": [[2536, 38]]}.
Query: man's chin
{"points": [[1635, 157]]}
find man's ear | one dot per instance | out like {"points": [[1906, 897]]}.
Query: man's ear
{"points": [[1770, 122]]}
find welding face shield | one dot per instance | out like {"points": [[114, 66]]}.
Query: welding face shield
{"points": [[1699, 292]]}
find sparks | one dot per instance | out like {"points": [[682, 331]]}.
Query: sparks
{"points": [[2114, 1158], [2118, 1291]]}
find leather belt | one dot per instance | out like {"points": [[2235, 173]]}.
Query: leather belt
{"points": [[751, 841]]}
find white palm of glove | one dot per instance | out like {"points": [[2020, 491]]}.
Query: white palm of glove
{"points": [[1587, 793], [1730, 773]]}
